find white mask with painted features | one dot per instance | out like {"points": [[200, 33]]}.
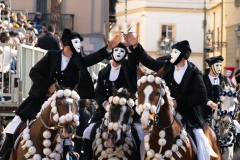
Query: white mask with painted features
{"points": [[217, 68], [118, 53], [76, 44], [174, 55], [228, 73]]}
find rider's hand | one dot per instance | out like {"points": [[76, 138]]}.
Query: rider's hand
{"points": [[213, 105], [130, 39], [75, 154], [174, 103], [114, 42], [52, 88]]}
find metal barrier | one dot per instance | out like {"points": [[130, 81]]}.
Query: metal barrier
{"points": [[19, 83], [96, 68]]}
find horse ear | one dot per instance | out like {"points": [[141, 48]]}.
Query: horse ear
{"points": [[140, 73], [223, 85], [76, 88], [114, 89], [57, 85], [233, 85], [160, 72]]}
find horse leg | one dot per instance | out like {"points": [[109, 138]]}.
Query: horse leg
{"points": [[228, 153], [214, 142]]}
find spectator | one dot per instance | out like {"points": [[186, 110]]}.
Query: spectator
{"points": [[92, 107], [38, 19], [49, 41], [41, 33], [83, 119], [13, 35]]}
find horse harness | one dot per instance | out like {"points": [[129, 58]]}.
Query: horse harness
{"points": [[154, 116], [58, 150]]}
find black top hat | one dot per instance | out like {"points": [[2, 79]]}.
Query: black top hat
{"points": [[68, 35], [213, 60], [184, 48]]}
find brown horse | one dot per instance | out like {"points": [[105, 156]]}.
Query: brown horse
{"points": [[166, 138], [58, 119], [113, 139]]}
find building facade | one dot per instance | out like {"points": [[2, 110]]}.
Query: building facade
{"points": [[153, 20]]}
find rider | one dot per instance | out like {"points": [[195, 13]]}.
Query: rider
{"points": [[213, 81], [68, 67], [185, 84], [123, 73]]}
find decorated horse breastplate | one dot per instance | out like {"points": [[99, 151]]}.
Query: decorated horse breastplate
{"points": [[69, 76]]}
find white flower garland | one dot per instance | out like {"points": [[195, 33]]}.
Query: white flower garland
{"points": [[101, 139], [162, 142], [56, 153]]}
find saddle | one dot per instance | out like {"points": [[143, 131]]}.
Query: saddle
{"points": [[18, 132]]}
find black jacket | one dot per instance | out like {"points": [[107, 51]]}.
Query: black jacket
{"points": [[194, 91], [130, 72]]}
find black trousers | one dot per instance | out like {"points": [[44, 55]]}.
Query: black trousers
{"points": [[7, 147]]}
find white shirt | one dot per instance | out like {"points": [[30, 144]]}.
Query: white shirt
{"points": [[6, 58], [214, 80], [179, 73], [114, 72], [65, 61]]}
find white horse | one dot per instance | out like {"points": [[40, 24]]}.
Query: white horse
{"points": [[224, 122]]}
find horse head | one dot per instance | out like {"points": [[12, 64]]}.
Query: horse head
{"points": [[152, 94], [64, 110], [227, 108], [118, 116]]}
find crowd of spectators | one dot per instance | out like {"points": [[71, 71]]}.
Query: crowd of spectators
{"points": [[15, 28]]}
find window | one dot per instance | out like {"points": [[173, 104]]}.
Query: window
{"points": [[165, 43]]}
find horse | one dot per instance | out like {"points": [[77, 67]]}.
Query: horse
{"points": [[112, 138], [43, 138], [166, 138], [223, 120]]}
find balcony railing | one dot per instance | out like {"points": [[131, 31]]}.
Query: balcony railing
{"points": [[67, 20]]}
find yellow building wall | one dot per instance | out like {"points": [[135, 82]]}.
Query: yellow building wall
{"points": [[28, 5]]}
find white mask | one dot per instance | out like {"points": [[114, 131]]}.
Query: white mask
{"points": [[118, 53], [174, 55], [76, 44], [228, 73], [217, 68]]}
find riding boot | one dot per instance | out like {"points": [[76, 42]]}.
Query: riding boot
{"points": [[5, 152], [87, 149]]}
